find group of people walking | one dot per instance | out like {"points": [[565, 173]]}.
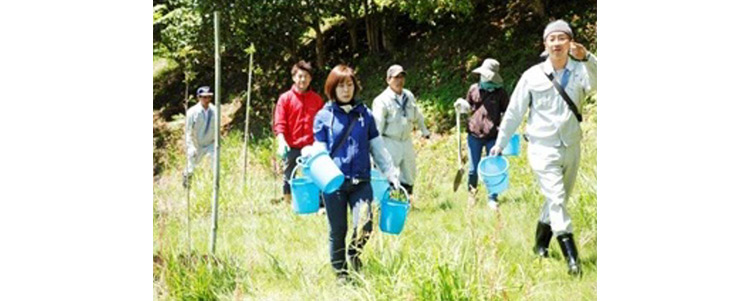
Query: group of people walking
{"points": [[356, 136]]}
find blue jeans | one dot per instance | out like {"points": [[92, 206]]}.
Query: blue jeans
{"points": [[348, 195], [475, 154]]}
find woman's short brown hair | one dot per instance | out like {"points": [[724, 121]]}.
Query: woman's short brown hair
{"points": [[337, 75]]}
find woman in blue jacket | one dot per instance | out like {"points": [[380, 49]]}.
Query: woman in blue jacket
{"points": [[345, 127]]}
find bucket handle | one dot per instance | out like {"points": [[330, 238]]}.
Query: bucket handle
{"points": [[504, 177], [500, 155], [406, 193], [294, 173], [300, 162]]}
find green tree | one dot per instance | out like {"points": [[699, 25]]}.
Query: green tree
{"points": [[350, 11], [428, 11]]}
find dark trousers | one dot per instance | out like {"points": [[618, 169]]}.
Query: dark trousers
{"points": [[409, 188], [354, 197], [475, 154], [290, 161]]}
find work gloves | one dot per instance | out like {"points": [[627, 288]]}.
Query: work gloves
{"points": [[283, 148], [496, 150], [191, 152], [425, 134], [393, 177], [462, 106]]}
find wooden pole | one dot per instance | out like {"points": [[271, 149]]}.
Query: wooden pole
{"points": [[217, 100]]}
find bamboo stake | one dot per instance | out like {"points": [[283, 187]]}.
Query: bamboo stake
{"points": [[247, 114], [217, 100], [187, 193], [273, 158]]}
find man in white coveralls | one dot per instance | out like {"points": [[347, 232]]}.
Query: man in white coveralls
{"points": [[200, 124], [553, 130], [396, 114]]}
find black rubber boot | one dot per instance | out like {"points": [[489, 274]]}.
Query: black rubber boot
{"points": [[568, 247], [543, 237]]}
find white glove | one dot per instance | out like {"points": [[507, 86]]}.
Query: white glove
{"points": [[192, 152], [393, 177], [496, 150], [426, 134], [462, 106], [283, 148]]}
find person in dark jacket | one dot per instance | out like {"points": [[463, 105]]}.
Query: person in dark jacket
{"points": [[350, 150], [486, 102]]}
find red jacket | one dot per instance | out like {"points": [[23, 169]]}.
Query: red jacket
{"points": [[295, 112]]}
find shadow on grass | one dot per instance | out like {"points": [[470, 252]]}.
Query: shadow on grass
{"points": [[508, 199], [425, 208], [445, 205]]}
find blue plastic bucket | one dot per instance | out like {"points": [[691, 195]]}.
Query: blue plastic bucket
{"points": [[393, 213], [379, 185], [494, 173], [514, 146], [323, 172], [305, 195]]}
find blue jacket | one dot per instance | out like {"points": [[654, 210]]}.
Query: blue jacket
{"points": [[353, 156]]}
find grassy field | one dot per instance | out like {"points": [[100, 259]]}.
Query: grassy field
{"points": [[447, 251]]}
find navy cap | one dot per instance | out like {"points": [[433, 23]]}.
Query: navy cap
{"points": [[205, 90]]}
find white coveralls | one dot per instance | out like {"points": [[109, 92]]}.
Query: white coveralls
{"points": [[395, 123], [553, 131], [200, 127]]}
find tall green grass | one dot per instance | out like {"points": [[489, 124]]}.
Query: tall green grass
{"points": [[447, 251]]}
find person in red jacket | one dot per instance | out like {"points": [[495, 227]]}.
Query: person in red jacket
{"points": [[293, 120]]}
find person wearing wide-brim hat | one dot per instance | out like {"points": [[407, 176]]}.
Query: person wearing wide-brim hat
{"points": [[553, 130], [485, 102], [396, 115], [200, 125]]}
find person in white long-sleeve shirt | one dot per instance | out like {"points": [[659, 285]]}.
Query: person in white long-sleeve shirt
{"points": [[553, 131], [200, 126]]}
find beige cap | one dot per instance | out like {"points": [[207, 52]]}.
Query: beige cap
{"points": [[394, 70]]}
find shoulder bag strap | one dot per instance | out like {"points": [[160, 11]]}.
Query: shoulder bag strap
{"points": [[346, 134], [565, 96]]}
